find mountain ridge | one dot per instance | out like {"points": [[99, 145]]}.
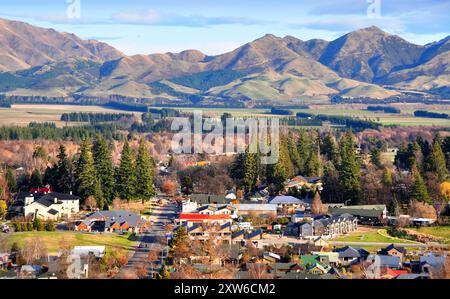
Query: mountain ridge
{"points": [[364, 63]]}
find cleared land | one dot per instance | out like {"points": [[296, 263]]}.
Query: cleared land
{"points": [[52, 240], [22, 115]]}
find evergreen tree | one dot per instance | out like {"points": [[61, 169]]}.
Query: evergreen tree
{"points": [[145, 188], [36, 180], [11, 180], [436, 161], [375, 157], [126, 174], [329, 149], [394, 208], [187, 186], [418, 189], [281, 170], [250, 171], [104, 168], [237, 170], [303, 148], [85, 174], [349, 169], [63, 179], [314, 166], [386, 179], [294, 155]]}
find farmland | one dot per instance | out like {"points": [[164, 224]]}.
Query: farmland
{"points": [[23, 114]]}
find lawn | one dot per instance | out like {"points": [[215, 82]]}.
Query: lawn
{"points": [[437, 231], [53, 240], [370, 236]]}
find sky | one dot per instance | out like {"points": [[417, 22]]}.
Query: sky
{"points": [[216, 26]]}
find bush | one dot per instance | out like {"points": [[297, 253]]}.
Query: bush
{"points": [[29, 226], [50, 226]]}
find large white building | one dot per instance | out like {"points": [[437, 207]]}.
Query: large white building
{"points": [[50, 206]]}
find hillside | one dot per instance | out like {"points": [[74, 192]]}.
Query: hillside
{"points": [[366, 63]]}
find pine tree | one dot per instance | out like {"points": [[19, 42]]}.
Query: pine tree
{"points": [[36, 180], [294, 155], [237, 170], [314, 166], [303, 148], [349, 169], [282, 169], [418, 189], [85, 174], [250, 171], [126, 174], [104, 168], [394, 208], [145, 188], [436, 160], [329, 148], [375, 157], [386, 179], [63, 179], [11, 180]]}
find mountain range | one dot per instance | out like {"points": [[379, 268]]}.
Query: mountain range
{"points": [[367, 63]]}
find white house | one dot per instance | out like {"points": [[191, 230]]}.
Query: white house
{"points": [[51, 206]]}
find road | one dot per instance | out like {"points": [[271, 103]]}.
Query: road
{"points": [[152, 240]]}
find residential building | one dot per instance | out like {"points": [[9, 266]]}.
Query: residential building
{"points": [[47, 206], [243, 237], [189, 219], [325, 227], [213, 209], [366, 214], [299, 182], [394, 250], [203, 232], [385, 261], [289, 204], [349, 255], [111, 221], [259, 210]]}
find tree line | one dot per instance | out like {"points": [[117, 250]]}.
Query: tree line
{"points": [[94, 117]]}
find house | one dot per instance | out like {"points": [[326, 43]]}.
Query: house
{"points": [[259, 210], [289, 204], [319, 268], [394, 250], [299, 182], [385, 261], [51, 206], [188, 206], [366, 214], [389, 273], [349, 255], [261, 195], [205, 199], [243, 237], [279, 270], [111, 221], [412, 276], [325, 227], [214, 209], [216, 231], [331, 258], [432, 262]]}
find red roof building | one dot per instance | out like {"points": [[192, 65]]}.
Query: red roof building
{"points": [[200, 218]]}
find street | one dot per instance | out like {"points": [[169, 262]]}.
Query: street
{"points": [[152, 240]]}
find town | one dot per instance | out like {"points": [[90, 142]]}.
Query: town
{"points": [[187, 218]]}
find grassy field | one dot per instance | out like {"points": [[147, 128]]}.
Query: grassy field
{"points": [[370, 236], [436, 231], [53, 240], [21, 115]]}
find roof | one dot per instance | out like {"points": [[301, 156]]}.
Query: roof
{"points": [[364, 210], [53, 212], [201, 217], [348, 252], [281, 266], [412, 276], [309, 259], [120, 216], [209, 199], [395, 273], [256, 207], [283, 199], [254, 233], [433, 259], [393, 246], [386, 260]]}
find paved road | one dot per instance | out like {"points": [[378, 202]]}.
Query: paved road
{"points": [[153, 240]]}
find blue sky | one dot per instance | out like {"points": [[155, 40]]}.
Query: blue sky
{"points": [[214, 26]]}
